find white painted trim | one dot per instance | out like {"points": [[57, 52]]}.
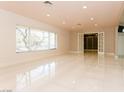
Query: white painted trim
{"points": [[76, 52], [119, 57], [90, 49], [101, 53], [103, 43], [82, 33], [116, 57], [116, 41], [112, 54], [79, 36]]}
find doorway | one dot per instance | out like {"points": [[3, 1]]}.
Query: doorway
{"points": [[96, 44], [91, 42]]}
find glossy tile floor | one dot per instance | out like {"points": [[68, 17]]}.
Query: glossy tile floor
{"points": [[70, 72]]}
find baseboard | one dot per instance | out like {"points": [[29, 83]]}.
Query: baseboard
{"points": [[120, 56], [101, 53], [11, 61], [91, 50], [116, 57], [76, 52], [112, 54]]}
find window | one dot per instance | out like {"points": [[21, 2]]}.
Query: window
{"points": [[53, 40], [31, 39]]}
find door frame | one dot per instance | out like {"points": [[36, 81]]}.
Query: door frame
{"points": [[80, 41], [99, 52]]}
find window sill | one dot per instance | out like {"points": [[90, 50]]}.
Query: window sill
{"points": [[32, 51]]}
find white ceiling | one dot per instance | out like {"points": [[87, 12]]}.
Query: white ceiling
{"points": [[67, 14]]}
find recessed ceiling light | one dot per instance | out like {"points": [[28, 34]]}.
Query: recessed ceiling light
{"points": [[84, 6], [63, 22], [74, 81], [95, 24], [91, 18], [47, 14], [72, 27]]}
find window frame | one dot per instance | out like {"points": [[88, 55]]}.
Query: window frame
{"points": [[30, 50]]}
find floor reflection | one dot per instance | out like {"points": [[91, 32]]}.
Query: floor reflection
{"points": [[70, 72], [44, 72]]}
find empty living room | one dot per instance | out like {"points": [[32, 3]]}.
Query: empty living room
{"points": [[61, 46]]}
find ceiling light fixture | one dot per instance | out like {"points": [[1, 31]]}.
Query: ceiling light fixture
{"points": [[63, 22], [72, 27], [48, 15], [95, 24], [74, 82], [84, 6], [91, 18]]}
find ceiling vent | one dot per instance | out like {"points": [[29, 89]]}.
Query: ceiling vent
{"points": [[48, 3], [79, 24]]}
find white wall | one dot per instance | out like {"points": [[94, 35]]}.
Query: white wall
{"points": [[120, 44], [8, 55]]}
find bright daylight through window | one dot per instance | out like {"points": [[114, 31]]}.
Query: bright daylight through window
{"points": [[31, 39]]}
